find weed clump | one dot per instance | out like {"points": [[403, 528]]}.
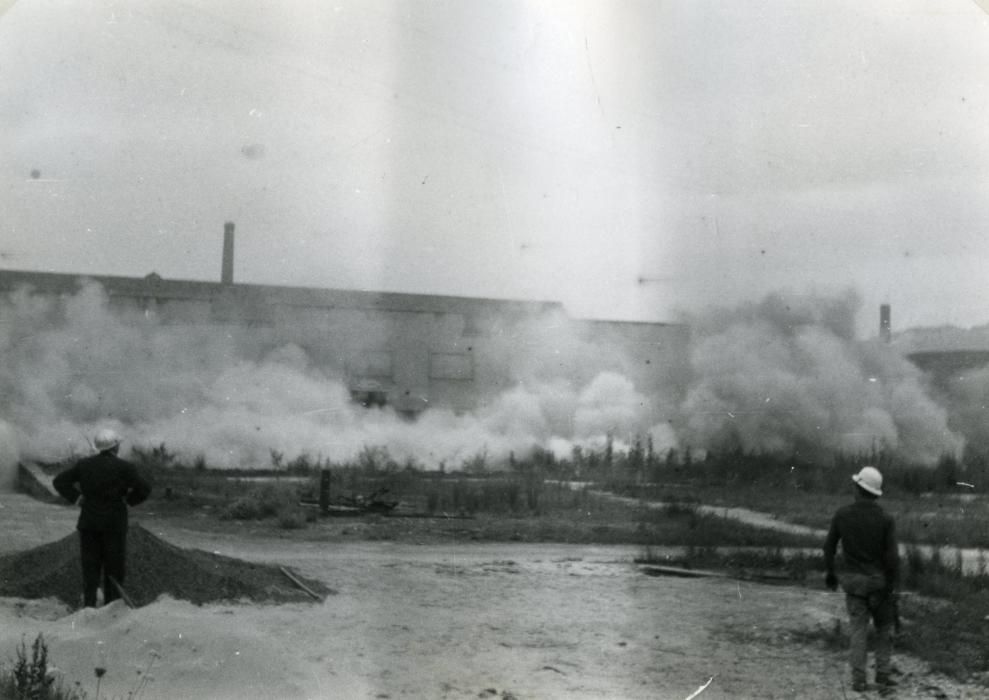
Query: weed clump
{"points": [[269, 501], [948, 619], [258, 504], [31, 677]]}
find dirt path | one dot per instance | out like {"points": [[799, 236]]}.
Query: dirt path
{"points": [[755, 518], [450, 621]]}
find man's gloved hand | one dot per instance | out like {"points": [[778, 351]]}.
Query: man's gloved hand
{"points": [[831, 581]]}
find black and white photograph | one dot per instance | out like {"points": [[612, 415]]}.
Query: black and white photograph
{"points": [[494, 349]]}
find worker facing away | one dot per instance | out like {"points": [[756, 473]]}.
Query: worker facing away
{"points": [[104, 485], [869, 574]]}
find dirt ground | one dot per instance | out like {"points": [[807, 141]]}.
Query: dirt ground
{"points": [[446, 621]]}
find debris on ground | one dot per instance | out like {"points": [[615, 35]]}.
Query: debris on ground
{"points": [[154, 567]]}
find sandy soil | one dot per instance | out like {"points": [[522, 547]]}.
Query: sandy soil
{"points": [[447, 621]]}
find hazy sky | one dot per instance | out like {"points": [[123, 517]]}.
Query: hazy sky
{"points": [[630, 159]]}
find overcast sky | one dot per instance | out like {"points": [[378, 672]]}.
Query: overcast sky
{"points": [[630, 159]]}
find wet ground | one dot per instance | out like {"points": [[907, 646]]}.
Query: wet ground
{"points": [[449, 621]]}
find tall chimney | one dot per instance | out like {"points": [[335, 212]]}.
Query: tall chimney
{"points": [[227, 276], [885, 331]]}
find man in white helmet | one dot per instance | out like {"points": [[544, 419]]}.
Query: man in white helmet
{"points": [[104, 486], [869, 575]]}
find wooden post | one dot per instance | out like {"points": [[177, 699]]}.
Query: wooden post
{"points": [[123, 594], [324, 491], [300, 584]]}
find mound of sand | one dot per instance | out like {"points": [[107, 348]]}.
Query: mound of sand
{"points": [[154, 567]]}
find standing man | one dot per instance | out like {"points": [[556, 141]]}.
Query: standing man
{"points": [[104, 485], [870, 574]]}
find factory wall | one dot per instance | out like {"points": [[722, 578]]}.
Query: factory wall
{"points": [[408, 351]]}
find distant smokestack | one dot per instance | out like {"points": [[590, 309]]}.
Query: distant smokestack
{"points": [[227, 276], [884, 323]]}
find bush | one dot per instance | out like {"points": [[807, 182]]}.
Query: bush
{"points": [[263, 502], [292, 519]]}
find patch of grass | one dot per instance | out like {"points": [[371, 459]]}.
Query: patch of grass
{"points": [[940, 519], [516, 494], [833, 637], [945, 618], [789, 488], [953, 638], [767, 562], [684, 524], [295, 518], [31, 677], [949, 620], [267, 501], [955, 517]]}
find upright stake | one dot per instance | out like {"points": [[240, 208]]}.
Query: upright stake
{"points": [[324, 491]]}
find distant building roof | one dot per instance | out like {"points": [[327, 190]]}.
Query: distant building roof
{"points": [[153, 285], [942, 339]]}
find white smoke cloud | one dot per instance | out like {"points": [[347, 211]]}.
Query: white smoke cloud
{"points": [[787, 377], [209, 392], [777, 376], [610, 405], [967, 396]]}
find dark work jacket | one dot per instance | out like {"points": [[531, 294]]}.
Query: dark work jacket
{"points": [[868, 543], [107, 485]]}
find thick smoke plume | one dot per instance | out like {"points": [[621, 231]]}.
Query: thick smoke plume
{"points": [[211, 392], [968, 397], [786, 375], [782, 375], [960, 384]]}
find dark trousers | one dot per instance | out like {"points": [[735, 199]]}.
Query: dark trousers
{"points": [[103, 553]]}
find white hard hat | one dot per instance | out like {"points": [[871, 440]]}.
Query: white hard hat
{"points": [[870, 479], [105, 440]]}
